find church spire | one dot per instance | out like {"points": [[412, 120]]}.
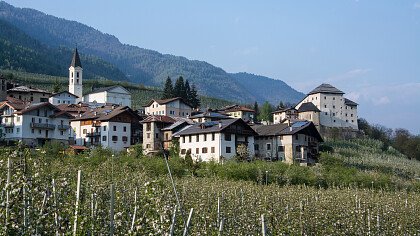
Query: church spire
{"points": [[75, 62]]}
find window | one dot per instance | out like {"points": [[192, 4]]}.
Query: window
{"points": [[166, 136], [205, 137], [197, 138], [268, 146], [39, 131], [280, 149], [333, 114], [325, 106], [125, 129], [325, 97], [17, 130], [228, 150], [148, 127], [77, 75], [62, 132], [183, 151], [148, 145], [334, 121], [256, 147], [115, 128], [197, 150], [148, 135], [189, 138], [297, 148], [104, 128], [18, 119], [77, 81], [297, 136], [32, 131], [333, 98], [183, 139], [212, 136], [157, 135], [326, 113], [228, 137], [333, 107], [84, 131], [104, 138], [204, 150], [124, 138], [213, 150], [114, 138], [351, 115]]}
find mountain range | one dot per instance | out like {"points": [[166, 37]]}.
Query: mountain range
{"points": [[36, 42]]}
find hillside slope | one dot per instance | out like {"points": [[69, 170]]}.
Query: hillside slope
{"points": [[139, 65], [21, 52]]}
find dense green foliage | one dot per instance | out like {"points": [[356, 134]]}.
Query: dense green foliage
{"points": [[400, 139], [265, 112], [182, 90], [21, 52], [141, 65], [340, 203]]}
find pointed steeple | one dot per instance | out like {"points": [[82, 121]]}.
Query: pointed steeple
{"points": [[75, 62]]}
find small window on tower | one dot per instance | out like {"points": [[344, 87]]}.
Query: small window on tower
{"points": [[72, 75], [77, 80], [77, 74]]}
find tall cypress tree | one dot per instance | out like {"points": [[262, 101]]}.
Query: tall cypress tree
{"points": [[179, 88], [187, 95], [257, 112], [168, 90], [195, 100]]}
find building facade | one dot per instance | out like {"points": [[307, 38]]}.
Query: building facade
{"points": [[237, 111], [174, 107], [283, 115], [117, 95], [34, 124], [29, 94], [63, 98], [216, 140], [153, 133], [297, 143], [335, 110]]}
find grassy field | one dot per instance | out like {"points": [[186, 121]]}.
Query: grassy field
{"points": [[340, 196], [141, 95]]}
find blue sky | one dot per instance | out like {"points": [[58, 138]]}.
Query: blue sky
{"points": [[370, 49]]}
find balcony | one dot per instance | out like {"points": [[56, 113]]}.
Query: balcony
{"points": [[8, 125], [63, 127], [42, 125], [93, 134]]}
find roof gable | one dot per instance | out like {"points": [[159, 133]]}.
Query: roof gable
{"points": [[308, 106], [326, 88]]}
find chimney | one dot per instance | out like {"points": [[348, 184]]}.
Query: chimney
{"points": [[220, 124], [288, 122]]}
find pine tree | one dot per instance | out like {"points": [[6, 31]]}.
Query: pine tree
{"points": [[187, 95], [195, 100], [257, 112], [168, 90], [56, 86], [266, 110], [179, 88], [281, 106]]}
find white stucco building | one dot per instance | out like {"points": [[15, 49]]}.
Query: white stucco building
{"points": [[335, 110], [109, 95], [63, 98], [175, 107], [210, 141], [108, 126], [35, 123]]}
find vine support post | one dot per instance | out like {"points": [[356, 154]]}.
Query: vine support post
{"points": [[172, 229], [135, 211], [111, 212], [76, 206], [263, 227], [187, 225]]}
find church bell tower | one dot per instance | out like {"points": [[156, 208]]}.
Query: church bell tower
{"points": [[76, 76]]}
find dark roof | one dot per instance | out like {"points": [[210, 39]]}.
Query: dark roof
{"points": [[25, 89], [308, 106], [349, 102], [234, 108], [159, 118], [210, 114], [180, 122], [103, 89], [105, 113], [35, 106], [165, 101], [15, 103], [283, 110], [301, 127], [269, 130], [326, 88], [213, 127], [52, 95], [75, 61]]}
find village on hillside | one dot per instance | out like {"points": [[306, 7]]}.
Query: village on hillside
{"points": [[104, 118]]}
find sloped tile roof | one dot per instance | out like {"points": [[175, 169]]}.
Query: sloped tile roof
{"points": [[75, 61], [159, 118], [349, 102], [326, 88], [308, 106]]}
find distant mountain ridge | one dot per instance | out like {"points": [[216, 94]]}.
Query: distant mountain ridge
{"points": [[143, 65]]}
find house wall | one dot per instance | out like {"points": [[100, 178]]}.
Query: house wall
{"points": [[22, 129], [175, 108], [244, 115], [30, 96], [62, 98], [109, 97], [185, 145], [310, 116], [152, 138], [334, 113]]}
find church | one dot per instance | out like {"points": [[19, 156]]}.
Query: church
{"points": [[114, 95]]}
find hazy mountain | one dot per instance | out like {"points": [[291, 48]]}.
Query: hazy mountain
{"points": [[142, 65]]}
